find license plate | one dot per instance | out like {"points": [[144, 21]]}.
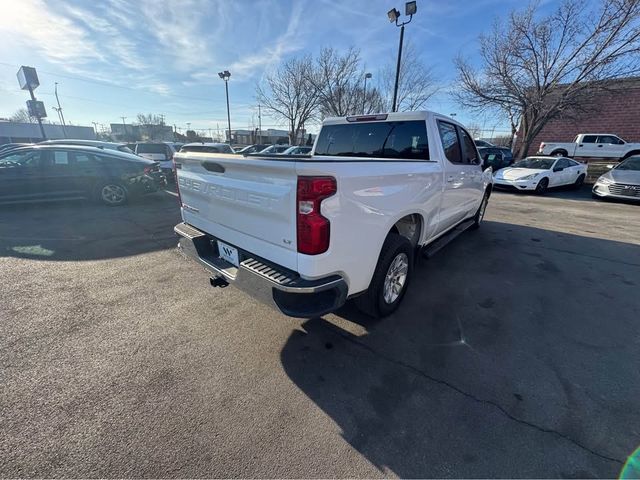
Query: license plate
{"points": [[228, 253]]}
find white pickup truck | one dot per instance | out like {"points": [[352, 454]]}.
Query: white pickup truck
{"points": [[307, 232], [591, 145]]}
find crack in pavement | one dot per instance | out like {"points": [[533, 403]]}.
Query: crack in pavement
{"points": [[420, 373]]}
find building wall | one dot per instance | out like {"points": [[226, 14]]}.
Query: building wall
{"points": [[618, 113], [14, 132]]}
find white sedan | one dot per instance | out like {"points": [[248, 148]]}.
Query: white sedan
{"points": [[540, 173]]}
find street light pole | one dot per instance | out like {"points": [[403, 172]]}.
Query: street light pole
{"points": [[225, 76], [364, 94], [410, 9]]}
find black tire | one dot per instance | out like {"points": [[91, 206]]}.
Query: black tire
{"points": [[542, 186], [559, 153], [373, 302], [479, 216], [112, 193], [579, 182]]}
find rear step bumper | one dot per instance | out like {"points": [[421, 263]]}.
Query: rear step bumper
{"points": [[264, 280]]}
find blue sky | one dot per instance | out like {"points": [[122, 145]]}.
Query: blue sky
{"points": [[114, 58]]}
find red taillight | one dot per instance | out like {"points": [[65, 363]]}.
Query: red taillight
{"points": [[541, 146], [313, 228], [148, 170]]}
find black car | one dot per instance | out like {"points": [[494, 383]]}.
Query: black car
{"points": [[253, 148], [64, 172], [496, 157]]}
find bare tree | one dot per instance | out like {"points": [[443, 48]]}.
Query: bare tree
{"points": [[339, 80], [538, 68], [290, 95], [152, 124], [21, 116], [416, 83]]}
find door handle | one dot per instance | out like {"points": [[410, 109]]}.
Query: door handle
{"points": [[599, 146], [580, 145], [450, 178]]}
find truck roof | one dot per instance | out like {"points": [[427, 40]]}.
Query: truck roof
{"points": [[386, 117]]}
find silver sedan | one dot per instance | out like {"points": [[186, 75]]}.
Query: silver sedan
{"points": [[622, 181]]}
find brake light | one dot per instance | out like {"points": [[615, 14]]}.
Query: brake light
{"points": [[148, 170], [542, 145], [313, 228], [367, 118]]}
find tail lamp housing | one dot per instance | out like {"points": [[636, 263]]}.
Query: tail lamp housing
{"points": [[313, 230]]}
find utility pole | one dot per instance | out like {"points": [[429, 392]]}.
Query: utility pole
{"points": [[124, 126], [259, 125], [95, 128], [175, 133], [64, 126]]}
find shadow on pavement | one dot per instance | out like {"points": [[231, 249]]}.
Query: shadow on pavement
{"points": [[515, 354], [85, 230]]}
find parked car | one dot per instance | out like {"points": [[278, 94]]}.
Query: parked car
{"points": [[121, 147], [207, 148], [483, 143], [297, 151], [346, 222], [591, 145], [622, 181], [541, 173], [496, 157], [253, 148], [161, 152], [64, 172], [275, 149]]}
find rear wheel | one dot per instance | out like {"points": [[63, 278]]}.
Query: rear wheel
{"points": [[390, 278], [112, 193], [559, 153], [542, 186], [579, 181]]}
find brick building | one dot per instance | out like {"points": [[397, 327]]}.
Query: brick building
{"points": [[617, 112]]}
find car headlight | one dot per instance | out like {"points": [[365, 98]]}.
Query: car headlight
{"points": [[604, 181], [529, 177]]}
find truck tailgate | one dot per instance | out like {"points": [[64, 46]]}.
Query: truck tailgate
{"points": [[247, 203]]}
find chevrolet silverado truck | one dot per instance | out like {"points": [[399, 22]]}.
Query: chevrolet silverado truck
{"points": [[307, 232], [591, 145]]}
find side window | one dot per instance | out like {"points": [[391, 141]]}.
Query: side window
{"points": [[60, 157], [83, 158], [562, 163], [450, 142], [608, 139], [572, 163], [589, 139], [23, 159], [470, 156]]}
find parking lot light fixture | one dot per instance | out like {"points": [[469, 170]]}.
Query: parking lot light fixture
{"points": [[410, 9], [225, 75]]}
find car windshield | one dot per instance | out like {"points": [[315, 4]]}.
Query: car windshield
{"points": [[535, 163], [630, 164], [152, 148]]}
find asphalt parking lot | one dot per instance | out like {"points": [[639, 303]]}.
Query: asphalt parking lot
{"points": [[515, 354]]}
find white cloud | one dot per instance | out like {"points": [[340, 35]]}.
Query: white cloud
{"points": [[55, 36]]}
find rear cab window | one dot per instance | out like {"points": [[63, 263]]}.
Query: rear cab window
{"points": [[160, 148], [384, 140]]}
